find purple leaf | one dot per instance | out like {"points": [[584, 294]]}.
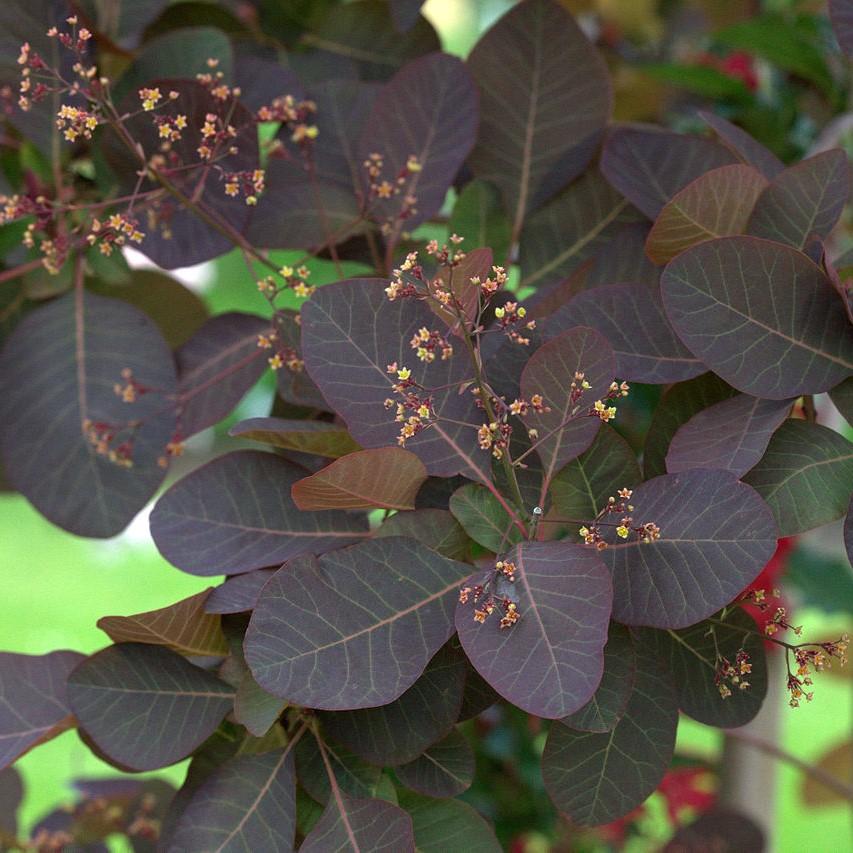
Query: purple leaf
{"points": [[716, 535], [841, 16], [401, 730], [179, 237], [318, 437], [376, 647], [716, 204], [545, 99], [759, 314], [731, 435], [216, 367], [805, 200], [678, 405], [598, 778], [427, 110], [743, 145], [352, 774], [444, 770], [235, 514], [11, 795], [848, 532], [33, 703], [692, 656], [351, 332], [806, 476], [238, 594], [248, 803], [718, 828], [354, 825], [550, 662], [444, 825], [605, 709], [649, 166], [58, 373], [632, 320], [624, 259], [174, 705], [566, 430], [571, 228]]}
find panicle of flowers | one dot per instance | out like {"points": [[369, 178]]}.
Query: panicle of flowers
{"points": [[213, 81], [510, 317], [446, 256], [601, 410], [75, 122], [215, 135], [591, 533], [413, 409], [381, 187], [728, 675], [101, 437], [130, 390], [175, 446], [426, 343], [169, 127], [297, 118], [295, 280], [811, 658], [494, 592], [407, 280], [116, 230], [249, 183]]}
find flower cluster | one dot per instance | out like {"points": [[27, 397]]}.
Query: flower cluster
{"points": [[249, 182], [130, 390], [170, 127], [728, 674], [215, 133], [174, 447], [426, 343], [381, 188], [295, 116], [295, 280], [284, 356], [74, 122], [115, 231], [101, 436], [213, 81], [413, 409], [447, 256], [494, 592], [814, 659], [604, 412], [646, 532], [510, 317]]}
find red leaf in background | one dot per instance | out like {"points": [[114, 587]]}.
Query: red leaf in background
{"points": [[687, 787], [740, 66]]}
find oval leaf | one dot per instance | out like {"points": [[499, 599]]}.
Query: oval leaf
{"points": [[400, 731], [731, 435], [444, 770], [58, 404], [386, 477], [716, 204], [550, 662], [761, 315], [806, 476], [540, 124], [249, 803], [598, 778], [744, 146], [716, 534], [185, 627], [318, 437], [605, 709], [216, 367], [649, 166], [34, 707], [443, 825], [427, 110], [566, 430], [348, 824], [691, 655], [436, 528], [483, 518], [632, 320], [174, 705], [236, 514], [804, 200], [238, 594], [377, 645]]}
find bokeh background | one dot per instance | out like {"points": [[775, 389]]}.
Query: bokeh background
{"points": [[772, 67]]}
